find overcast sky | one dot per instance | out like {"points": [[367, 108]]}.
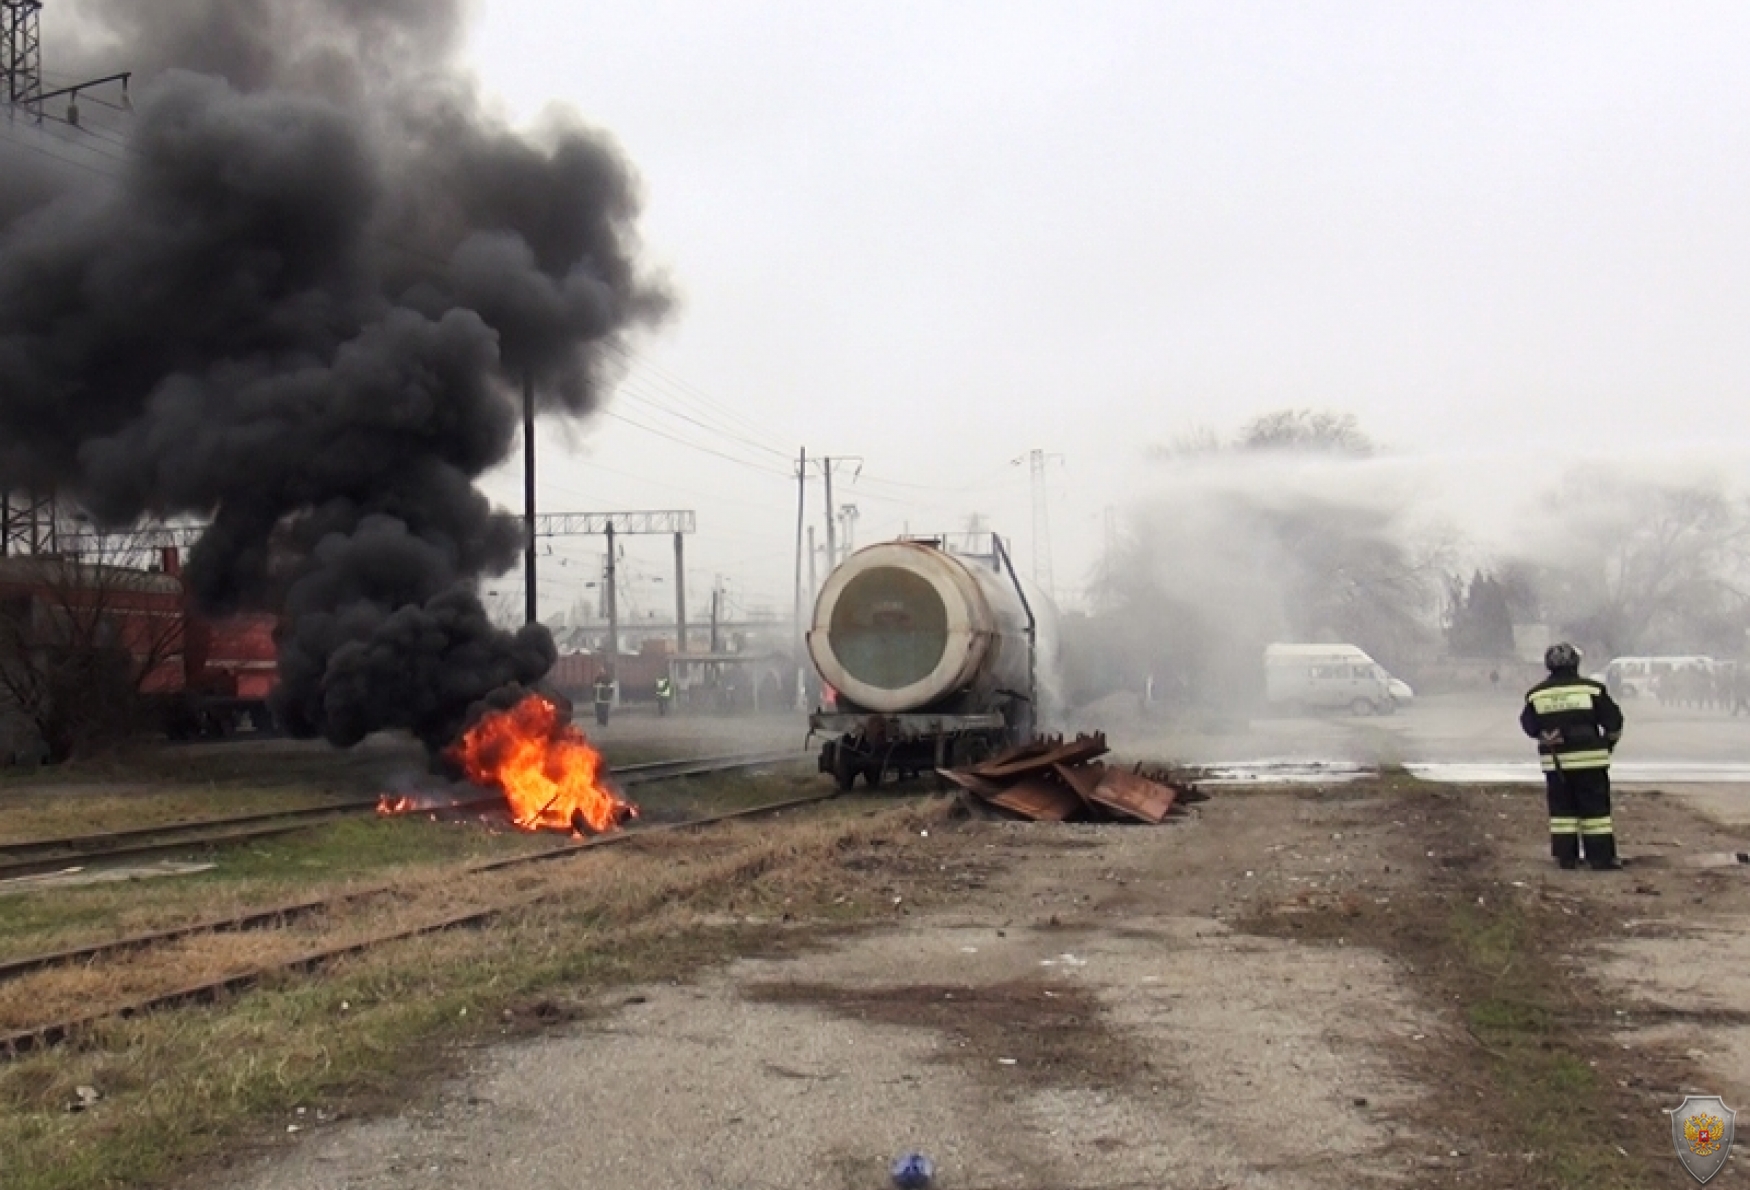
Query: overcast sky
{"points": [[939, 235]]}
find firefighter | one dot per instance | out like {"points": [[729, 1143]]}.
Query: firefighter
{"points": [[1576, 725], [604, 697], [664, 695]]}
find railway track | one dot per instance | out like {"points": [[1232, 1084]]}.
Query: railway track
{"points": [[38, 856], [45, 1036]]}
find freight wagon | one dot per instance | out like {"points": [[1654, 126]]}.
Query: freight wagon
{"points": [[197, 676]]}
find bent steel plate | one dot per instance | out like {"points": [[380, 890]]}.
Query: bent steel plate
{"points": [[1134, 796], [1038, 799]]}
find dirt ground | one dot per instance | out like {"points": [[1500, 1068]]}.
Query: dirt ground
{"points": [[1378, 983]]}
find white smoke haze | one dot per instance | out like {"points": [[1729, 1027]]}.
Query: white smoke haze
{"points": [[1226, 550]]}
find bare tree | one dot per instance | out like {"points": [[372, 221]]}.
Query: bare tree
{"points": [[1287, 431], [1306, 431], [1650, 566], [89, 650]]}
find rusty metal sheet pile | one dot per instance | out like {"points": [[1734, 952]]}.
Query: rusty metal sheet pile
{"points": [[1039, 799], [1134, 796], [1054, 780], [1038, 757]]}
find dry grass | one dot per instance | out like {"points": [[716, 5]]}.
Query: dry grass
{"points": [[152, 785], [57, 814], [418, 898], [335, 859], [179, 1086]]}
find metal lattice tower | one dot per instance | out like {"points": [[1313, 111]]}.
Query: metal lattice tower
{"points": [[1041, 524], [21, 53], [848, 514], [27, 524], [27, 519]]}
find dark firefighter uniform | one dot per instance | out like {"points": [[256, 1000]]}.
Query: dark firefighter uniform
{"points": [[604, 699], [1576, 725], [664, 695]]}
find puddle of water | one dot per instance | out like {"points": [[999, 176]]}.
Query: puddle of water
{"points": [[1281, 772], [71, 876], [1642, 772]]}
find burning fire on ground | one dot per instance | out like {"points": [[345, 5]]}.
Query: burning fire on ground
{"points": [[551, 777], [402, 803]]}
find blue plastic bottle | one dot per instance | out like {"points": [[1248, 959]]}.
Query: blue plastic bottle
{"points": [[913, 1171]]}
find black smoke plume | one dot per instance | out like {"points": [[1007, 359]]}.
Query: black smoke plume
{"points": [[301, 305]]}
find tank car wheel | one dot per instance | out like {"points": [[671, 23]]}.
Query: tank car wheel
{"points": [[872, 774], [969, 750], [844, 768]]}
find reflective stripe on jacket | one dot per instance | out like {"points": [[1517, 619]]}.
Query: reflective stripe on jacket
{"points": [[1580, 716]]}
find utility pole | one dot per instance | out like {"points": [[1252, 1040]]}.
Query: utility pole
{"points": [[29, 523], [813, 579], [680, 594], [21, 54], [1036, 460], [624, 524], [827, 466], [27, 519], [613, 649], [21, 67], [801, 514], [716, 612], [832, 558], [531, 593]]}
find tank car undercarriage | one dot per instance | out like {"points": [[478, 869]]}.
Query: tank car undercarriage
{"points": [[879, 747]]}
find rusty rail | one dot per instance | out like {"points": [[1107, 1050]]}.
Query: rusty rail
{"points": [[184, 838], [278, 915], [638, 774], [664, 770], [40, 1037], [41, 856], [102, 842]]}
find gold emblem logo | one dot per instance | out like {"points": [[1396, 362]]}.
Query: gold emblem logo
{"points": [[1703, 1134], [1701, 1131]]}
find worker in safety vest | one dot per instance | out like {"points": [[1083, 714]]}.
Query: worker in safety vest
{"points": [[1576, 725], [664, 694], [604, 697]]}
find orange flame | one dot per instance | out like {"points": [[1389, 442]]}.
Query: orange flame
{"points": [[549, 773]]}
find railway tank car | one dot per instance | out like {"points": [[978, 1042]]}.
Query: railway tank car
{"points": [[932, 657]]}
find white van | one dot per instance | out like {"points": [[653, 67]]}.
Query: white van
{"points": [[1330, 676], [1634, 677]]}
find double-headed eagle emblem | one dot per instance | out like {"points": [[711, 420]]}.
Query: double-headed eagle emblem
{"points": [[1701, 1130]]}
